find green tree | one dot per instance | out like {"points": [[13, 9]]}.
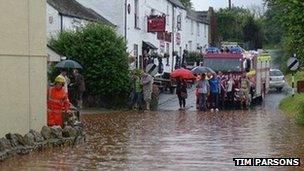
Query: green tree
{"points": [[273, 30], [239, 25], [187, 3], [104, 59], [194, 57], [291, 17], [253, 34]]}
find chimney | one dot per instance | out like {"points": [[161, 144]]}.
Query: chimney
{"points": [[229, 4]]}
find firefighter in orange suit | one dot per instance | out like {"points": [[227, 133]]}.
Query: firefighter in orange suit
{"points": [[58, 102]]}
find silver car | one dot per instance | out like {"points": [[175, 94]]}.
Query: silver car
{"points": [[277, 79]]}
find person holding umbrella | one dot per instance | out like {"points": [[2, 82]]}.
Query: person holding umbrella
{"points": [[63, 73], [65, 65], [181, 75], [79, 86], [181, 92]]}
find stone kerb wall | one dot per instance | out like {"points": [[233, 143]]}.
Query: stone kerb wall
{"points": [[16, 144]]}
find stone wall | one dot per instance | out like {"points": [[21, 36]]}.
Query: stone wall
{"points": [[16, 144]]}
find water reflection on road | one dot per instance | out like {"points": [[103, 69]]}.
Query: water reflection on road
{"points": [[175, 140]]}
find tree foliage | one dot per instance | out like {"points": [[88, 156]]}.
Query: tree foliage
{"points": [[239, 25], [289, 14], [187, 3], [273, 30], [194, 57], [104, 59]]}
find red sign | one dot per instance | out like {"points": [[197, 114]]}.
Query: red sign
{"points": [[156, 23], [164, 36], [178, 38]]}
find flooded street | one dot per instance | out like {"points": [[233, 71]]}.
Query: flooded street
{"points": [[175, 140]]}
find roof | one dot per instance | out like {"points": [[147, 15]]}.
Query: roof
{"points": [[53, 55], [177, 3], [72, 8], [198, 16], [50, 47]]}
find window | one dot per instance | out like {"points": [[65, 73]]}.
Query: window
{"points": [[135, 53], [276, 73], [223, 65], [179, 22], [192, 29], [167, 16], [198, 29], [136, 14], [180, 51], [205, 30], [190, 45]]}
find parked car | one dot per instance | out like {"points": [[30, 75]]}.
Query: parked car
{"points": [[165, 82], [276, 79]]}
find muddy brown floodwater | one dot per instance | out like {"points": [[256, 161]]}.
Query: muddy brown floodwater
{"points": [[174, 140]]}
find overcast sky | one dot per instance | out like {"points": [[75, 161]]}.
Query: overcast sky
{"points": [[204, 4]]}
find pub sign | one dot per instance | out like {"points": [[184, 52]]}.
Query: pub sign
{"points": [[156, 23]]}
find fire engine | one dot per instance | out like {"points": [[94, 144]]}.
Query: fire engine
{"points": [[232, 59]]}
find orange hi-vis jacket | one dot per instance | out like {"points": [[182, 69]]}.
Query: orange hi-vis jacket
{"points": [[57, 103]]}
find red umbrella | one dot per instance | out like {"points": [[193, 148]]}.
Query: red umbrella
{"points": [[184, 73]]}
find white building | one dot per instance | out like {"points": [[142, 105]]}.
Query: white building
{"points": [[196, 35], [68, 15], [188, 29]]}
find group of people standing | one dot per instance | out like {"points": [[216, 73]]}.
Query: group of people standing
{"points": [[215, 91], [59, 96], [141, 91]]}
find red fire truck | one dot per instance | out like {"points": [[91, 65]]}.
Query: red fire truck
{"points": [[234, 60]]}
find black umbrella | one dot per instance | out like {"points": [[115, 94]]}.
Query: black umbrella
{"points": [[201, 69], [68, 64]]}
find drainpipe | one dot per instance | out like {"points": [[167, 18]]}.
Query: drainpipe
{"points": [[61, 28], [126, 6], [173, 22]]}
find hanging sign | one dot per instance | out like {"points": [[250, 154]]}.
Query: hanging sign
{"points": [[164, 36], [156, 23]]}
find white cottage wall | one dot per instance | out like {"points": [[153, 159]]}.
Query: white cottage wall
{"points": [[115, 12], [54, 22]]}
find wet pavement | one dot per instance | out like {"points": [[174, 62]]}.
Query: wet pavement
{"points": [[175, 140]]}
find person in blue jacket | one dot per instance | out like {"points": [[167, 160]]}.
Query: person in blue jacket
{"points": [[214, 92]]}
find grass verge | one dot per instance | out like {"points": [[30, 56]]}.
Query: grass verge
{"points": [[298, 76], [294, 106]]}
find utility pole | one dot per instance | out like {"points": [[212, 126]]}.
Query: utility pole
{"points": [[229, 4]]}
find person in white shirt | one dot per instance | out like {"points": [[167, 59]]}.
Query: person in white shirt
{"points": [[230, 91], [203, 91]]}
